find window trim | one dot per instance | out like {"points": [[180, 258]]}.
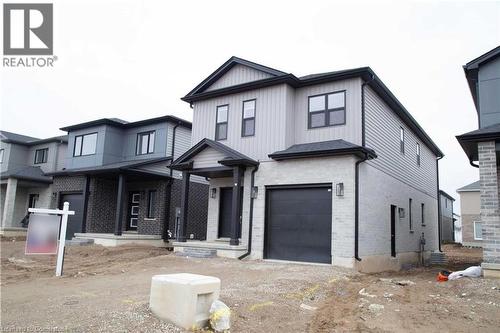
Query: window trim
{"points": [[81, 147], [217, 124], [139, 135], [418, 153], [474, 225], [402, 136], [410, 221], [326, 111], [151, 212], [2, 155], [251, 118], [45, 155]]}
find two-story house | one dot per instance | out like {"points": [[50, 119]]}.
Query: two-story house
{"points": [[327, 168], [116, 178], [483, 146], [470, 207], [24, 164], [447, 219]]}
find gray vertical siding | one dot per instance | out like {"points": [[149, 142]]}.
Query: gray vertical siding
{"points": [[237, 75], [489, 98], [270, 123], [351, 131], [382, 135], [130, 141]]}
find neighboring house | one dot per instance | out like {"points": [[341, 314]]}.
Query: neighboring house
{"points": [[327, 168], [447, 223], [470, 208], [482, 146], [116, 178], [24, 164]]}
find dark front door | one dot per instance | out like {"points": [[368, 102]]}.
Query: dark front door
{"points": [[299, 224], [393, 230], [75, 222], [225, 209], [133, 210]]}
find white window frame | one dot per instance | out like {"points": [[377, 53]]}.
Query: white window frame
{"points": [[401, 140], [418, 154], [474, 224]]}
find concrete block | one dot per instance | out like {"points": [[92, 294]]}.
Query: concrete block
{"points": [[183, 299]]}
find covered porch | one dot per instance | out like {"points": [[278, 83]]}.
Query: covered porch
{"points": [[225, 168]]}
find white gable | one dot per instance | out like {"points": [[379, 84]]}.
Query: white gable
{"points": [[238, 74], [207, 158]]}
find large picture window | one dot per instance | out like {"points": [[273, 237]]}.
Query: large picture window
{"points": [[145, 143], [221, 122], [41, 155], [327, 110], [85, 144], [248, 124]]}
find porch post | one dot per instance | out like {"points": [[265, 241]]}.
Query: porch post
{"points": [[9, 204], [119, 204], [236, 206], [181, 233]]}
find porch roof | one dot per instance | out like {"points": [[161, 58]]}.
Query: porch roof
{"points": [[232, 158], [321, 149], [30, 173], [130, 167], [469, 140]]}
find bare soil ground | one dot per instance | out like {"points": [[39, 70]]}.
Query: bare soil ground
{"points": [[107, 290]]}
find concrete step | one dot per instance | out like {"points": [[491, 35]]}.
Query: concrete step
{"points": [[79, 241], [197, 252]]}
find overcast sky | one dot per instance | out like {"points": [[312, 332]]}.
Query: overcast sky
{"points": [[135, 59]]}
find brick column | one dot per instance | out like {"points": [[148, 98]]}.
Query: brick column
{"points": [[9, 203], [490, 209]]}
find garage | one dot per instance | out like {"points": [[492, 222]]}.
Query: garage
{"points": [[299, 223]]}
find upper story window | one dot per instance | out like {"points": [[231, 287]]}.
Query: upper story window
{"points": [[418, 154], [1, 155], [402, 140], [327, 110], [41, 155], [248, 124], [145, 143], [221, 122], [85, 144]]}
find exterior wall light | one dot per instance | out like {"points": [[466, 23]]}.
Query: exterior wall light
{"points": [[255, 192], [339, 189], [213, 193]]}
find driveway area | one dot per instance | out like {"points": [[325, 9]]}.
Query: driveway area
{"points": [[107, 290]]}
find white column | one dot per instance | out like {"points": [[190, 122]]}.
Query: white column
{"points": [[9, 203]]}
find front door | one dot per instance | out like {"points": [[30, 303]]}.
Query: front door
{"points": [[393, 231], [225, 209], [133, 210], [75, 222]]}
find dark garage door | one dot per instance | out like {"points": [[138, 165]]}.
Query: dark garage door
{"points": [[75, 222], [299, 223]]}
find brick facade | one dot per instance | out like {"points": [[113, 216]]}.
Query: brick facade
{"points": [[490, 218], [101, 208]]}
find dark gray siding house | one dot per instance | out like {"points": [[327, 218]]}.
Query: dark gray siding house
{"points": [[447, 222], [117, 178], [482, 147]]}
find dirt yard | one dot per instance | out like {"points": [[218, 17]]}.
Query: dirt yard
{"points": [[107, 290]]}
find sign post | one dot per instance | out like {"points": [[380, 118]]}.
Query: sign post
{"points": [[65, 212]]}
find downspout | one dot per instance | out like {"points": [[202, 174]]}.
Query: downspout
{"points": [[173, 145], [473, 164], [356, 176], [439, 204], [250, 215]]}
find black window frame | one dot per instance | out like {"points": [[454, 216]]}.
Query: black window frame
{"points": [[244, 120], [217, 124], [410, 220], [422, 212], [81, 146], [401, 139], [45, 152], [151, 212], [327, 110], [138, 142], [418, 153]]}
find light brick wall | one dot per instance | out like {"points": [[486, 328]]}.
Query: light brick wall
{"points": [[490, 218], [468, 230]]}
